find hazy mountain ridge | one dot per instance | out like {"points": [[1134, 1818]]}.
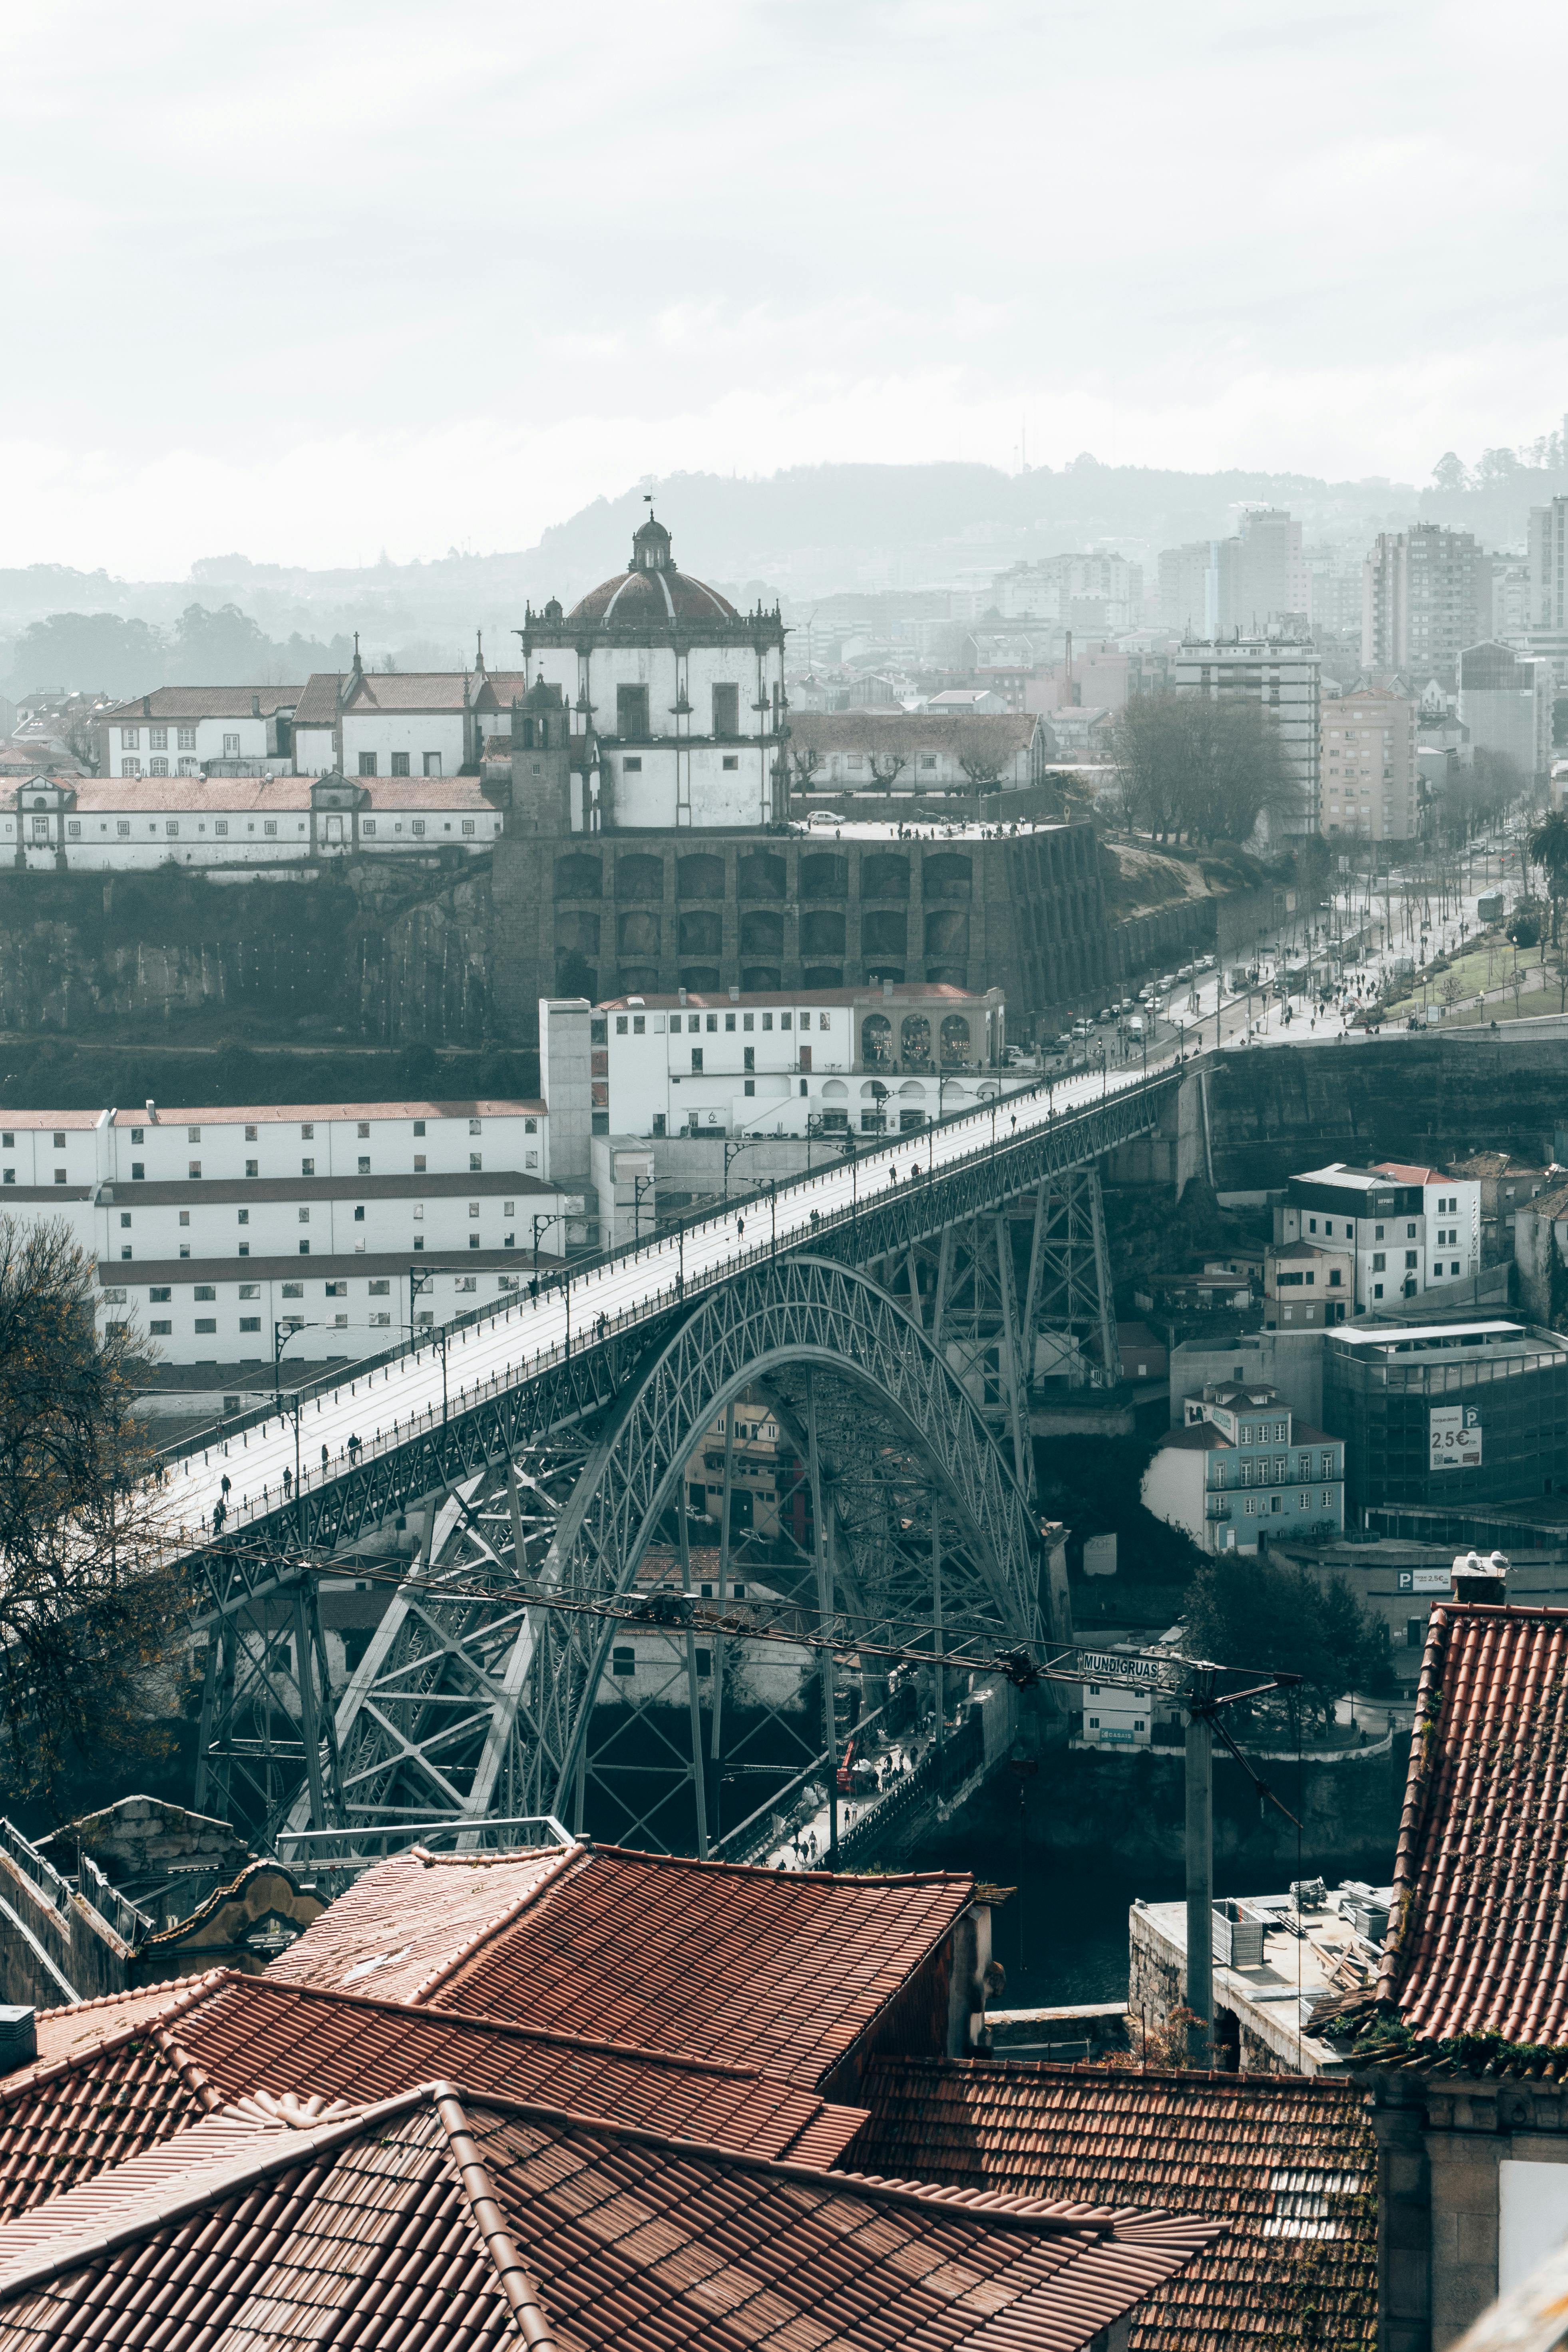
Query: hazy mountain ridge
{"points": [[802, 533]]}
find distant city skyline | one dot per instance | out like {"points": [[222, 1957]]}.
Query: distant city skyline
{"points": [[314, 287]]}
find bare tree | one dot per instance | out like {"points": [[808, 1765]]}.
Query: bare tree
{"points": [[986, 766], [87, 1599], [887, 766], [804, 761]]}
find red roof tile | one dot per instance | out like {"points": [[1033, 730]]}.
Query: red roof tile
{"points": [[408, 1921], [780, 1970], [150, 2075], [447, 2223], [253, 2034], [1478, 1938], [1288, 2161]]}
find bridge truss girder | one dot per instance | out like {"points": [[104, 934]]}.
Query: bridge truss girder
{"points": [[469, 1702], [470, 1698]]}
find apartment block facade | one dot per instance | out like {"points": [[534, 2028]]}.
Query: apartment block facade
{"points": [[1370, 775]]}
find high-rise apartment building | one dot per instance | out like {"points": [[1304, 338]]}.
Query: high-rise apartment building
{"points": [[1254, 579], [1369, 771], [1282, 674], [1505, 703], [1425, 594], [1547, 567]]}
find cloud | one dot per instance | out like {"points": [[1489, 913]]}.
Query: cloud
{"points": [[310, 282]]}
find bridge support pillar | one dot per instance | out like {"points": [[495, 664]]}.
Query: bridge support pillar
{"points": [[1070, 1299]]}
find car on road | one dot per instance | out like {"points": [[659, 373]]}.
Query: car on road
{"points": [[1166, 979], [1135, 1026]]}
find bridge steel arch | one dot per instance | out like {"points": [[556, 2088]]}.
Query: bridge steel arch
{"points": [[472, 1700]]}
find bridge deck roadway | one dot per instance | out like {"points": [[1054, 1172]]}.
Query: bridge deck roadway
{"points": [[393, 1404]]}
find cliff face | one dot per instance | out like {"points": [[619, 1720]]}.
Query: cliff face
{"points": [[389, 958], [1425, 1097]]}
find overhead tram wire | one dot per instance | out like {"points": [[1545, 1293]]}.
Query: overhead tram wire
{"points": [[682, 1615]]}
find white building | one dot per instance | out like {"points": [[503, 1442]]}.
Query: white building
{"points": [[937, 750], [178, 730], [240, 823], [867, 1061], [1052, 587], [1410, 1230], [1282, 674], [209, 1225], [395, 723], [674, 703]]}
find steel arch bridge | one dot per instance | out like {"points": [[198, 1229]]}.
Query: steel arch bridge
{"points": [[487, 1689], [530, 1662]]}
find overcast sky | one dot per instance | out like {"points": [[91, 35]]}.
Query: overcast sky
{"points": [[310, 280]]}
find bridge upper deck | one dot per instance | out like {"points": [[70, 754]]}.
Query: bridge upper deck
{"points": [[860, 1207]]}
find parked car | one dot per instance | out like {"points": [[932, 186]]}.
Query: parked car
{"points": [[1184, 970], [1166, 979], [1135, 1025]]}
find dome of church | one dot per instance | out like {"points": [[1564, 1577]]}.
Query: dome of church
{"points": [[651, 593]]}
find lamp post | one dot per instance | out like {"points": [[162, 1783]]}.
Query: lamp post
{"points": [[735, 1145], [551, 1219], [281, 1334], [640, 1184], [421, 1279]]}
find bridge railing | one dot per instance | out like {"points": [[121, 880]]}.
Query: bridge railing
{"points": [[578, 1284]]}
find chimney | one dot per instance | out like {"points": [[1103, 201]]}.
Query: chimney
{"points": [[152, 1111], [683, 996], [734, 996], [256, 706], [18, 2036], [887, 988], [146, 705], [1475, 1579]]}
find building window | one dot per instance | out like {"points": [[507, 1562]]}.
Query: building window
{"points": [[433, 764], [157, 767], [130, 739], [418, 826], [161, 1330], [74, 830], [631, 712], [624, 1659], [270, 825], [307, 1167], [467, 825], [367, 763], [130, 767], [250, 1322], [367, 825], [729, 761], [231, 747], [185, 738], [122, 827], [204, 1291], [308, 1131], [399, 764]]}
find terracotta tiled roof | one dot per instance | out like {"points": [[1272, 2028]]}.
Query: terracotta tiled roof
{"points": [[150, 796], [1478, 1937], [87, 2025], [120, 2088], [454, 2224], [202, 702], [149, 2074], [402, 1926], [253, 2035], [271, 1114], [956, 734], [759, 1968], [1288, 2161]]}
